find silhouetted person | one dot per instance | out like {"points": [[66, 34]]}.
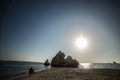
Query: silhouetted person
{"points": [[31, 70]]}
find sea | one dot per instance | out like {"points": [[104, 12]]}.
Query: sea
{"points": [[9, 70]]}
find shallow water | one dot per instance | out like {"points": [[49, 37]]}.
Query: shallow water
{"points": [[12, 69], [100, 65]]}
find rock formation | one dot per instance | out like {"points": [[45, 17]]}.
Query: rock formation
{"points": [[69, 62], [60, 61], [47, 63]]}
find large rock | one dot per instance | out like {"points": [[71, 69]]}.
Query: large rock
{"points": [[60, 61], [69, 62]]}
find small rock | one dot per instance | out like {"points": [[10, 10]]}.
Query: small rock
{"points": [[47, 63]]}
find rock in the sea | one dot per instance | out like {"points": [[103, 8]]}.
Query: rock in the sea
{"points": [[69, 62], [47, 63], [60, 61]]}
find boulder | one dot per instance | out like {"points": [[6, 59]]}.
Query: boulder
{"points": [[60, 61], [47, 63], [69, 62]]}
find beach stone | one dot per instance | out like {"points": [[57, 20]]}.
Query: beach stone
{"points": [[60, 61]]}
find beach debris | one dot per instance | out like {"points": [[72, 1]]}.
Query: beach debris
{"points": [[47, 63], [31, 70], [60, 61]]}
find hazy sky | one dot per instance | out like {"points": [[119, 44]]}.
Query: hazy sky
{"points": [[33, 30]]}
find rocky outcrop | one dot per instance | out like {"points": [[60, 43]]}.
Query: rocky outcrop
{"points": [[69, 62], [60, 61], [47, 63]]}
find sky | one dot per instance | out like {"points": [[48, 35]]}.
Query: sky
{"points": [[35, 30]]}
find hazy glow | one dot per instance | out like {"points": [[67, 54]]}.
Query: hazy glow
{"points": [[81, 42], [85, 65], [57, 25]]}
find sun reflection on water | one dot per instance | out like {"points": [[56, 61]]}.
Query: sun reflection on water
{"points": [[85, 65]]}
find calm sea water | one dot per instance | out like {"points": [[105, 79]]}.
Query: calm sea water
{"points": [[10, 70]]}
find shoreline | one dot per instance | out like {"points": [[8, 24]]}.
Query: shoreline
{"points": [[74, 74]]}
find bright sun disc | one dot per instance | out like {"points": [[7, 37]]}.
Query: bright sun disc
{"points": [[81, 42]]}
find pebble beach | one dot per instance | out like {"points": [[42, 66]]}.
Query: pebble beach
{"points": [[74, 74]]}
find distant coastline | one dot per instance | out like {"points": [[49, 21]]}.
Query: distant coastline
{"points": [[19, 61], [43, 62]]}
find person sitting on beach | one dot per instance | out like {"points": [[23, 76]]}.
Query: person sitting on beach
{"points": [[31, 70]]}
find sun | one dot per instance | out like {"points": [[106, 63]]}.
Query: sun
{"points": [[81, 42]]}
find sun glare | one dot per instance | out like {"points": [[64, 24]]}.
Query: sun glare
{"points": [[81, 42], [85, 65]]}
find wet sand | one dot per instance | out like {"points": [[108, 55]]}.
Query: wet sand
{"points": [[74, 74]]}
